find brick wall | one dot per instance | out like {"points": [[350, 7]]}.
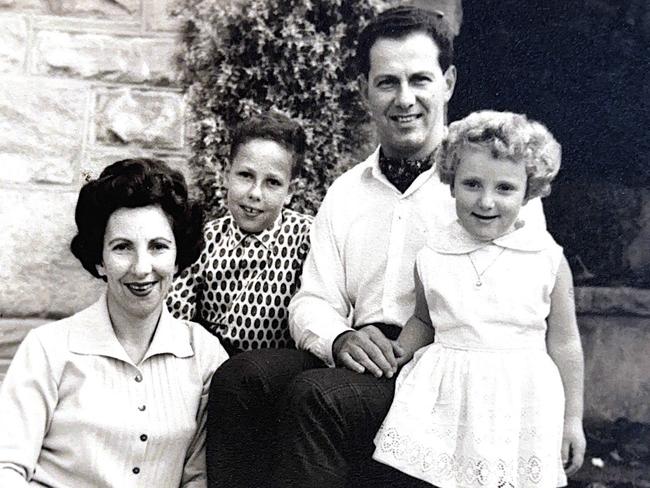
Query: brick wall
{"points": [[82, 83]]}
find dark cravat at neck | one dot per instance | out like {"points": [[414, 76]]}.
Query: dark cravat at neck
{"points": [[402, 172]]}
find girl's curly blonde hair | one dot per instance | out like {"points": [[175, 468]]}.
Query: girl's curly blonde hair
{"points": [[504, 135]]}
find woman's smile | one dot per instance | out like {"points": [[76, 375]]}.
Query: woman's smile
{"points": [[139, 259], [141, 289]]}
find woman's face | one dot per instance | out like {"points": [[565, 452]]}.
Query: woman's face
{"points": [[138, 260]]}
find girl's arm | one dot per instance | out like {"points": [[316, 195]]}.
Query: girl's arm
{"points": [[564, 347], [418, 331]]}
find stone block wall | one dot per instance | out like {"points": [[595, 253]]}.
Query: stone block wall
{"points": [[83, 83]]}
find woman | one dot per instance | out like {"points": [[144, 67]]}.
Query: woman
{"points": [[116, 394]]}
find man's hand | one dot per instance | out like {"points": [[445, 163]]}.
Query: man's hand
{"points": [[573, 446], [367, 349]]}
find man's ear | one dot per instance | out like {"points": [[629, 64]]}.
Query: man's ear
{"points": [[362, 81], [450, 81]]}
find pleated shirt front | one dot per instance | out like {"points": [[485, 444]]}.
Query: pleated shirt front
{"points": [[75, 411]]}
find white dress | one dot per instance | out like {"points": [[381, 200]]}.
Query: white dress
{"points": [[484, 404]]}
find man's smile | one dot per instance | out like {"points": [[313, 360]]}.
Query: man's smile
{"points": [[402, 119]]}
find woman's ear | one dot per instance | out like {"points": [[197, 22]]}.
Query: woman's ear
{"points": [[101, 271], [452, 190]]}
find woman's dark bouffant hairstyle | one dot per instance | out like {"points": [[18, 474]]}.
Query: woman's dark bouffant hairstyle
{"points": [[133, 183]]}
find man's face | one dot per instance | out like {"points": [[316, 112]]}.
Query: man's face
{"points": [[407, 92]]}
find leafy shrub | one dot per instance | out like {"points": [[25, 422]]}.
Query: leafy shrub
{"points": [[294, 56]]}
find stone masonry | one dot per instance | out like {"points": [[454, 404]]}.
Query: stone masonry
{"points": [[83, 83]]}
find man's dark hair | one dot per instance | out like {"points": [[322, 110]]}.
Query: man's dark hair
{"points": [[399, 22], [276, 127], [133, 183]]}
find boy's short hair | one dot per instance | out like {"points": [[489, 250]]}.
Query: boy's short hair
{"points": [[399, 22], [276, 127], [504, 135]]}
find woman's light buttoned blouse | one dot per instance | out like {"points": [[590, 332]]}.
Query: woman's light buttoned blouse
{"points": [[76, 412]]}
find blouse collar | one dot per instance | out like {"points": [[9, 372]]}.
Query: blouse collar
{"points": [[236, 236], [454, 239], [93, 334]]}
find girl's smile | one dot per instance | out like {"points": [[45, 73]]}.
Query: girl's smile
{"points": [[489, 193]]}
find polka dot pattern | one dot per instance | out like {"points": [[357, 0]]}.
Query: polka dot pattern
{"points": [[240, 286]]}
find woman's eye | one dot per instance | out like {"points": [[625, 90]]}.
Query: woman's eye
{"points": [[123, 246], [160, 246], [505, 188], [275, 183], [471, 184]]}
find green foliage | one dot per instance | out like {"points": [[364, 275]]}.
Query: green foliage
{"points": [[295, 56]]}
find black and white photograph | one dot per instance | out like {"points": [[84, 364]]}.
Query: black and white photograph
{"points": [[325, 243]]}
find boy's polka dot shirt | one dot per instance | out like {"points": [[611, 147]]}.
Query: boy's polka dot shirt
{"points": [[240, 286]]}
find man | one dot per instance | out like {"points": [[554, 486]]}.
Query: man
{"points": [[357, 285]]}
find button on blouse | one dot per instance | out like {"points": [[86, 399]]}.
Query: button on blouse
{"points": [[74, 406]]}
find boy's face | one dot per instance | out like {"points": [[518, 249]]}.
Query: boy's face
{"points": [[258, 184], [407, 92], [489, 193]]}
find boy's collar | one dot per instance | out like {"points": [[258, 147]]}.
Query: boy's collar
{"points": [[236, 236]]}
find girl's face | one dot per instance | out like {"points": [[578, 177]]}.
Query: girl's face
{"points": [[489, 193], [138, 260]]}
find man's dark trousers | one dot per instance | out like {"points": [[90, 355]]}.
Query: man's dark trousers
{"points": [[281, 419]]}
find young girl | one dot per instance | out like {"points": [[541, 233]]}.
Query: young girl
{"points": [[496, 400]]}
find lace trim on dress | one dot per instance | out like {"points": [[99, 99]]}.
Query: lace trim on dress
{"points": [[466, 471]]}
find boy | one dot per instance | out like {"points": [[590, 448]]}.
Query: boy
{"points": [[250, 267]]}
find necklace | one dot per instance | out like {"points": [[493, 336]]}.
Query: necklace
{"points": [[478, 282]]}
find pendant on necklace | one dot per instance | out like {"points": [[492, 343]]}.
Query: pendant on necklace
{"points": [[478, 284]]}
